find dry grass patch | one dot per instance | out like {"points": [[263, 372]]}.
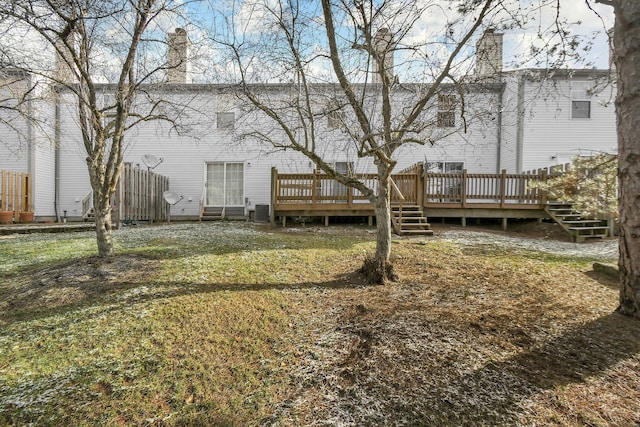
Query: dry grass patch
{"points": [[473, 338], [232, 325]]}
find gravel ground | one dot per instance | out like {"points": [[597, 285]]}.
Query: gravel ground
{"points": [[543, 237], [606, 248]]}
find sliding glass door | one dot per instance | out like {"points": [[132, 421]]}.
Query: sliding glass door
{"points": [[225, 184]]}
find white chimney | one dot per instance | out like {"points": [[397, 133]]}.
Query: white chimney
{"points": [[178, 57], [384, 46], [489, 55], [63, 73]]}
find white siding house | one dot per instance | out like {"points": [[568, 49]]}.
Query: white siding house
{"points": [[215, 151], [551, 117], [211, 153], [15, 129], [26, 135]]}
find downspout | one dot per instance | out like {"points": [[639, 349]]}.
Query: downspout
{"points": [[30, 148], [520, 122], [499, 136], [56, 200]]}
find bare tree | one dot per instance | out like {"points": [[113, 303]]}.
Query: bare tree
{"points": [[626, 42], [590, 184], [338, 61], [94, 42]]}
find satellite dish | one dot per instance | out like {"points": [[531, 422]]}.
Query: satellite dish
{"points": [[171, 198], [151, 161]]}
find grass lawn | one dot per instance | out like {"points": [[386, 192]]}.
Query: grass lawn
{"points": [[234, 324]]}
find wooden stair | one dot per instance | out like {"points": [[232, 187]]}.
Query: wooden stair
{"points": [[89, 216], [578, 227], [212, 214], [410, 221]]}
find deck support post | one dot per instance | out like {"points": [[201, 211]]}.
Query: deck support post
{"points": [[284, 221], [504, 223], [463, 221], [370, 220], [326, 221], [611, 223]]}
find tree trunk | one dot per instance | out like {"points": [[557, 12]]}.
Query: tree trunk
{"points": [[378, 268], [383, 221], [102, 209], [627, 60]]}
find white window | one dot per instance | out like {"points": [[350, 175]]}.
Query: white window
{"points": [[225, 120], [344, 167], [335, 116], [445, 167], [340, 191], [448, 187], [446, 111], [580, 100]]}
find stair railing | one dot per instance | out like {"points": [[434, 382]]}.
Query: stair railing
{"points": [[202, 197], [401, 197], [87, 204]]}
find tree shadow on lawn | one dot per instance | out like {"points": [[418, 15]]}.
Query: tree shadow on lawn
{"points": [[109, 287], [198, 241], [574, 357], [410, 379], [604, 279], [428, 388]]}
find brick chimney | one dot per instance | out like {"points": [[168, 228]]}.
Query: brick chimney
{"points": [[489, 55], [178, 57]]}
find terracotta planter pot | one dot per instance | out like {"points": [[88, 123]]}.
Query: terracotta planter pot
{"points": [[26, 217], [6, 217]]}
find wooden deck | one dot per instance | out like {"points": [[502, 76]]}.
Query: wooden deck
{"points": [[462, 195]]}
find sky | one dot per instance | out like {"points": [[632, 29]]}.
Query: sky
{"points": [[589, 20], [584, 18], [585, 21]]}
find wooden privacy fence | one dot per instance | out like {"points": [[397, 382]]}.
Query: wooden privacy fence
{"points": [[139, 195], [15, 192]]}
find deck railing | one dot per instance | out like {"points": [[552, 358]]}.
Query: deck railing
{"points": [[15, 192], [319, 189], [316, 190], [462, 189]]}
